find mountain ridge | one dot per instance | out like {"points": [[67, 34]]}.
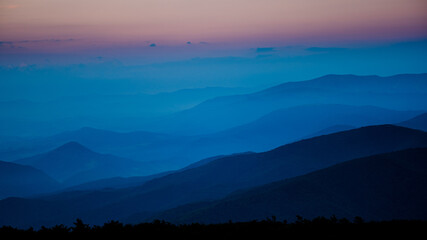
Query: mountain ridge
{"points": [[419, 122], [221, 177], [379, 187], [73, 163], [406, 91], [20, 180]]}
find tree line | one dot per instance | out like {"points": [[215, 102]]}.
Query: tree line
{"points": [[331, 227]]}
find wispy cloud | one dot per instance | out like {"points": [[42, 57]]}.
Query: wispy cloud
{"points": [[9, 45], [31, 44], [5, 43], [52, 40]]}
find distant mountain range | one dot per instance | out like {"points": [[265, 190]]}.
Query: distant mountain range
{"points": [[208, 110], [168, 152], [319, 147], [399, 92], [225, 175], [331, 129], [112, 183], [18, 180], [96, 139], [291, 124], [380, 187], [213, 180], [418, 122], [44, 118], [127, 182], [73, 163]]}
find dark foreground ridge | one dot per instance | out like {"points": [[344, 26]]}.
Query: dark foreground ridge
{"points": [[271, 228]]}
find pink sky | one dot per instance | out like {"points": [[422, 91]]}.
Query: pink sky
{"points": [[174, 22]]}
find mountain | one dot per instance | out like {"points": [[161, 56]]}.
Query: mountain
{"points": [[291, 124], [121, 182], [18, 180], [275, 129], [228, 117], [114, 183], [47, 117], [96, 139], [419, 122], [73, 163], [160, 152], [331, 129], [225, 175], [213, 180], [210, 159], [400, 92], [101, 140], [381, 187]]}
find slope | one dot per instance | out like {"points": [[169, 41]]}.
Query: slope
{"points": [[381, 187], [419, 122], [217, 178], [394, 92], [18, 180], [291, 124], [73, 163]]}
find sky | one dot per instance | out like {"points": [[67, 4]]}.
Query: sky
{"points": [[49, 48], [175, 22]]}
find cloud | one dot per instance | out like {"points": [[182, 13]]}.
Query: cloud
{"points": [[5, 43], [153, 45], [9, 45], [27, 44], [265, 49], [52, 40], [189, 43]]}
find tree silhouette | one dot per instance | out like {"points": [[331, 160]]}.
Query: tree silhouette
{"points": [[80, 227], [319, 227]]}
